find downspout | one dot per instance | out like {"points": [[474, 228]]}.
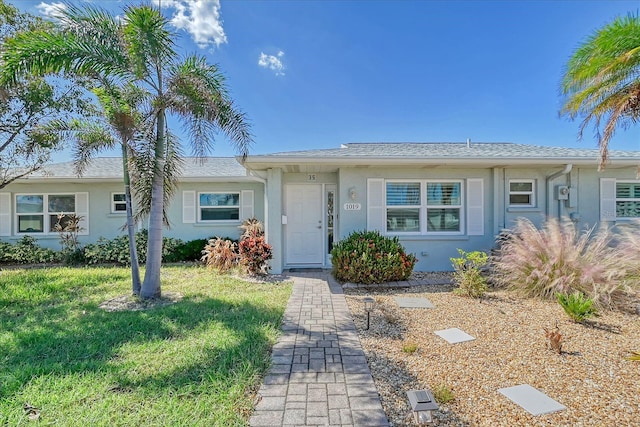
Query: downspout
{"points": [[255, 176], [550, 178]]}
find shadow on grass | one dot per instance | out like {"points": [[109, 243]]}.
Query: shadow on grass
{"points": [[61, 336]]}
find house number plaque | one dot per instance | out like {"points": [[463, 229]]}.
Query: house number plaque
{"points": [[352, 206]]}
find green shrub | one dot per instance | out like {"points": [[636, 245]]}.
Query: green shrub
{"points": [[73, 257], [107, 251], [576, 305], [556, 258], [6, 249], [468, 273], [27, 251], [368, 257], [187, 251]]}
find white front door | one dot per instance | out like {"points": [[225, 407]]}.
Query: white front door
{"points": [[304, 228]]}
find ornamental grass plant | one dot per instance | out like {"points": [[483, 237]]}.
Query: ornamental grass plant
{"points": [[559, 259]]}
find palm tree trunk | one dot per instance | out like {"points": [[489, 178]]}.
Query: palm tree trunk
{"points": [[133, 254], [151, 284]]}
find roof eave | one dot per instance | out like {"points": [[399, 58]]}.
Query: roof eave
{"points": [[268, 161], [67, 179]]}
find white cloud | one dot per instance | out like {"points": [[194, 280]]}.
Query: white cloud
{"points": [[51, 10], [272, 62], [200, 18]]}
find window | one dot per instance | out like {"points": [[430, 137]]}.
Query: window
{"points": [[627, 199], [219, 206], [118, 203], [424, 206], [444, 204], [403, 206], [39, 213], [522, 192]]}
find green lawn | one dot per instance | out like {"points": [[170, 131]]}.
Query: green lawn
{"points": [[193, 363]]}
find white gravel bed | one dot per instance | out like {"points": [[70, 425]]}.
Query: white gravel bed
{"points": [[591, 377]]}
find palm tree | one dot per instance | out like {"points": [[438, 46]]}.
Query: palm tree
{"points": [[124, 125], [137, 48], [602, 80]]}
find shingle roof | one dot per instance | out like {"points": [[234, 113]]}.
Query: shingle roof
{"points": [[111, 168], [453, 150]]}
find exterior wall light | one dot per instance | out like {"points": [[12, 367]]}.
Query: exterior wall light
{"points": [[353, 194], [369, 302], [422, 404]]}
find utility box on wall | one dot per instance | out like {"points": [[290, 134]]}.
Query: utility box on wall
{"points": [[562, 192]]}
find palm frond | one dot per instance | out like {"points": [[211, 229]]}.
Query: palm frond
{"points": [[87, 42], [601, 82], [148, 41], [90, 139], [143, 167], [198, 95]]}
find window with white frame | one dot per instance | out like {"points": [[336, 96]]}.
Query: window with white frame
{"points": [[444, 204], [39, 213], [627, 200], [403, 206], [218, 206], [421, 207], [522, 192], [118, 203]]}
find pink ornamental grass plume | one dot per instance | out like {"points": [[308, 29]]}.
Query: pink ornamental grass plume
{"points": [[559, 259]]}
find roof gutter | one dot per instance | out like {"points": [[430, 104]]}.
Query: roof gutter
{"points": [[255, 176], [549, 179], [257, 163]]}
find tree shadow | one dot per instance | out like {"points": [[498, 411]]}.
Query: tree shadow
{"points": [[60, 337], [394, 379]]}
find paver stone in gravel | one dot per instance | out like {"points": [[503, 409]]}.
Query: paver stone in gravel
{"points": [[404, 302], [532, 400], [454, 335]]}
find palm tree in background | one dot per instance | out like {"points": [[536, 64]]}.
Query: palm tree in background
{"points": [[124, 125], [602, 81], [137, 48]]}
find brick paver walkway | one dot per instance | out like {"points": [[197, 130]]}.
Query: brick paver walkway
{"points": [[319, 373]]}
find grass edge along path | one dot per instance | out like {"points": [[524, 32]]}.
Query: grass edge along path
{"points": [[195, 362]]}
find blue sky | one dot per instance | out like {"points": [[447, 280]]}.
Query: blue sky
{"points": [[316, 74]]}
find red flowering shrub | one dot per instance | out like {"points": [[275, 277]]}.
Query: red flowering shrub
{"points": [[254, 254], [254, 250]]}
